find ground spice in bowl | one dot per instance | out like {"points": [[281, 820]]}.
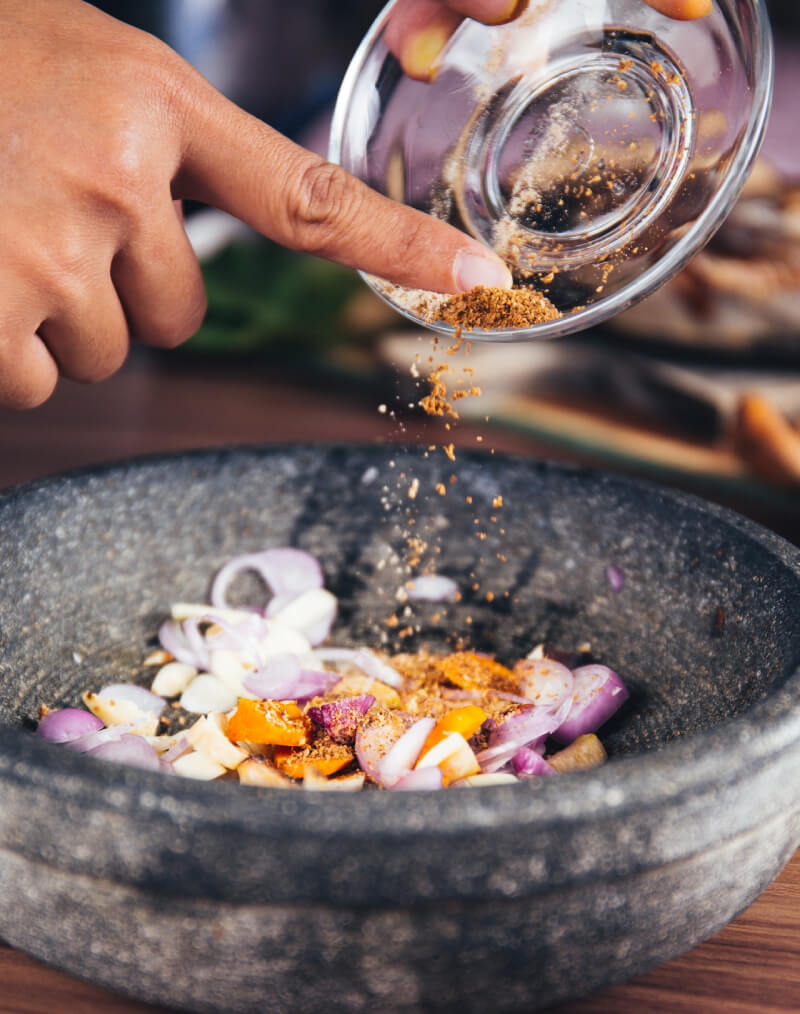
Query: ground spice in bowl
{"points": [[491, 309], [481, 309]]}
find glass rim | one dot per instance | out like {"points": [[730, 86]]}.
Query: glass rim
{"points": [[666, 267]]}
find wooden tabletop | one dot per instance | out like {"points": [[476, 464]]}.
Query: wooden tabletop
{"points": [[165, 403]]}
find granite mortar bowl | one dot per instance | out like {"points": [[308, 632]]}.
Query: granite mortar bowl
{"points": [[216, 897]]}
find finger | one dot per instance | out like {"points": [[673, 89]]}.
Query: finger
{"points": [[682, 10], [159, 281], [87, 333], [28, 372], [242, 166], [417, 32], [491, 12]]}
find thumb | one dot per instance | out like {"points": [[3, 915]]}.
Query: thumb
{"points": [[235, 162]]}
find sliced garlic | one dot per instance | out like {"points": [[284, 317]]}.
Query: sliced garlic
{"points": [[309, 611], [493, 778], [208, 737], [256, 771], [197, 765], [207, 693], [228, 667], [346, 783], [112, 711], [158, 657], [282, 639], [191, 610], [172, 679], [453, 756]]}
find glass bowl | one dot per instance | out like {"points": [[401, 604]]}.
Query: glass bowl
{"points": [[596, 146]]}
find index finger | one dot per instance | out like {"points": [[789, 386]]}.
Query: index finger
{"points": [[237, 163]]}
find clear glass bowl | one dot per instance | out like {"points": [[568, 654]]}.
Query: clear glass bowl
{"points": [[595, 144]]}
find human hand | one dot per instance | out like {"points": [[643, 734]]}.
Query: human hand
{"points": [[103, 128]]}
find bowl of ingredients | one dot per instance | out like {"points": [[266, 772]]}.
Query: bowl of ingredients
{"points": [[595, 146], [361, 728]]}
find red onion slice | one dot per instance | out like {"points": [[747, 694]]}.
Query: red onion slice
{"points": [[373, 742], [529, 727], [365, 660], [403, 755], [545, 682], [287, 571], [377, 669], [241, 636], [431, 588], [173, 639], [421, 779], [178, 749], [284, 679], [341, 719], [83, 744], [528, 763], [67, 725], [598, 694], [133, 751], [615, 578]]}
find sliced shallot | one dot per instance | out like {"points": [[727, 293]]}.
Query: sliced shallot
{"points": [[133, 751], [373, 742], [83, 744], [528, 763], [423, 779], [529, 727], [403, 755], [341, 719], [288, 571], [597, 695], [544, 681], [283, 678], [67, 725]]}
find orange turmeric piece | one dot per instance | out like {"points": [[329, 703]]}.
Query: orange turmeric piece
{"points": [[469, 671], [466, 720], [296, 763], [277, 722]]}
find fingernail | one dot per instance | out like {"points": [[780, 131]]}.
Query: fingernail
{"points": [[472, 269], [423, 49], [508, 12]]}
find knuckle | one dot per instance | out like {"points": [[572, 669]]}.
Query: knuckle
{"points": [[322, 203], [27, 390], [108, 361], [408, 240], [173, 327]]}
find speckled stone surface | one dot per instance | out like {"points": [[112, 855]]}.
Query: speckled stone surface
{"points": [[214, 897]]}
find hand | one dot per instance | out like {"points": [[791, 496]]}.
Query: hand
{"points": [[420, 29], [102, 129]]}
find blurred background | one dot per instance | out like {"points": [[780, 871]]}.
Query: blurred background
{"points": [[698, 387]]}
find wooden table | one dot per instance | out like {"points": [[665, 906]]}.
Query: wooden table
{"points": [[161, 404]]}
